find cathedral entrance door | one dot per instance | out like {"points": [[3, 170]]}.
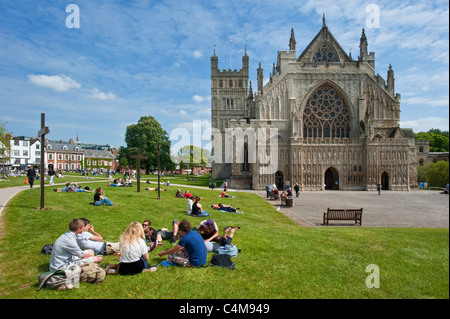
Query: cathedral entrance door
{"points": [[279, 180], [331, 179], [385, 181]]}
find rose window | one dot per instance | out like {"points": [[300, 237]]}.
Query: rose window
{"points": [[326, 115]]}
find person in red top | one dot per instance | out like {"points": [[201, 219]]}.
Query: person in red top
{"points": [[187, 194]]}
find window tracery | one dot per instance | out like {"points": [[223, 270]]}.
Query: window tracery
{"points": [[325, 54], [326, 115]]}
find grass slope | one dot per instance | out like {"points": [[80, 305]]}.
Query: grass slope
{"points": [[279, 259]]}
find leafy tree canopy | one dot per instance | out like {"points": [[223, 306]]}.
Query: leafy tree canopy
{"points": [[439, 140], [147, 134]]}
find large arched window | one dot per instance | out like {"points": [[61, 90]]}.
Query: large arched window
{"points": [[326, 115]]}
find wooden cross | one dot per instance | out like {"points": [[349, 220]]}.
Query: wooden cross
{"points": [[44, 130], [139, 157]]}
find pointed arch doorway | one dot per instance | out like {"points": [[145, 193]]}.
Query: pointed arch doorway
{"points": [[331, 179], [279, 180], [385, 181]]}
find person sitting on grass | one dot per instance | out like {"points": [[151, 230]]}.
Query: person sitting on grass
{"points": [[208, 230], [157, 236], [190, 250], [66, 251], [90, 239], [179, 194], [100, 199], [187, 194], [224, 194], [197, 209], [133, 252]]}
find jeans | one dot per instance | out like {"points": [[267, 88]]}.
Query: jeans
{"points": [[102, 201]]}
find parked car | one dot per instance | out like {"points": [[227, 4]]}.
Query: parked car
{"points": [[446, 189]]}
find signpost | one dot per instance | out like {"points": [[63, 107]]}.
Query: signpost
{"points": [[159, 174], [139, 157], [44, 130]]}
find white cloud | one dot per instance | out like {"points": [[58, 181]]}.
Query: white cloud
{"points": [[197, 54], [199, 98], [59, 83], [96, 94], [424, 124]]}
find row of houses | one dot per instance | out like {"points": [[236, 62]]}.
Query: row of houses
{"points": [[65, 156]]}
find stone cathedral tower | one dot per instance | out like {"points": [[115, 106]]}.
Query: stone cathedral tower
{"points": [[337, 120]]}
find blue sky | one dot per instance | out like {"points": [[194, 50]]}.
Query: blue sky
{"points": [[130, 59]]}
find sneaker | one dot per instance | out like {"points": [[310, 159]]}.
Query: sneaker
{"points": [[173, 241]]}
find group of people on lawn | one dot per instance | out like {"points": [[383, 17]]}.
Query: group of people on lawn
{"points": [[82, 244]]}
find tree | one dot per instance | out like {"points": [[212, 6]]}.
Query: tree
{"points": [[5, 147], [193, 156], [147, 134], [436, 174], [439, 140]]}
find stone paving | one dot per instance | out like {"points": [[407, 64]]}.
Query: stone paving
{"points": [[427, 209]]}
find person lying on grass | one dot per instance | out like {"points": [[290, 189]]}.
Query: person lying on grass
{"points": [[223, 241], [190, 250], [227, 208], [72, 188], [155, 237]]}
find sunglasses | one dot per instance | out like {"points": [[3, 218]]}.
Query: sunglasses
{"points": [[145, 225]]}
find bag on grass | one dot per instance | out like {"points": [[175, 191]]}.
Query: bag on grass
{"points": [[60, 279], [228, 250], [222, 260], [47, 249], [92, 273]]}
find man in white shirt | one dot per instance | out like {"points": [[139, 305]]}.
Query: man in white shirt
{"points": [[90, 239], [66, 251]]}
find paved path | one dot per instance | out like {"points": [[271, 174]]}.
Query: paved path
{"points": [[429, 209], [7, 193]]}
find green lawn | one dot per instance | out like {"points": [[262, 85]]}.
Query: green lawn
{"points": [[279, 259]]}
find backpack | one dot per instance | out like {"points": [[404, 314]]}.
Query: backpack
{"points": [[47, 249], [228, 250], [92, 273], [60, 279], [222, 260]]}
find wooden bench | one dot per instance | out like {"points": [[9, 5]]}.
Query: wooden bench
{"points": [[343, 214]]}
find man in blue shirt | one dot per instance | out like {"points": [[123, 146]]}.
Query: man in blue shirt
{"points": [[190, 250]]}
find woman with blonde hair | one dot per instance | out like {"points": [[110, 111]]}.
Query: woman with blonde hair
{"points": [[133, 251]]}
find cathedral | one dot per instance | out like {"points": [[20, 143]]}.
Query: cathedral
{"points": [[336, 122]]}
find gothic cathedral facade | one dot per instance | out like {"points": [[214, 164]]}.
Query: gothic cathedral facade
{"points": [[336, 121]]}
